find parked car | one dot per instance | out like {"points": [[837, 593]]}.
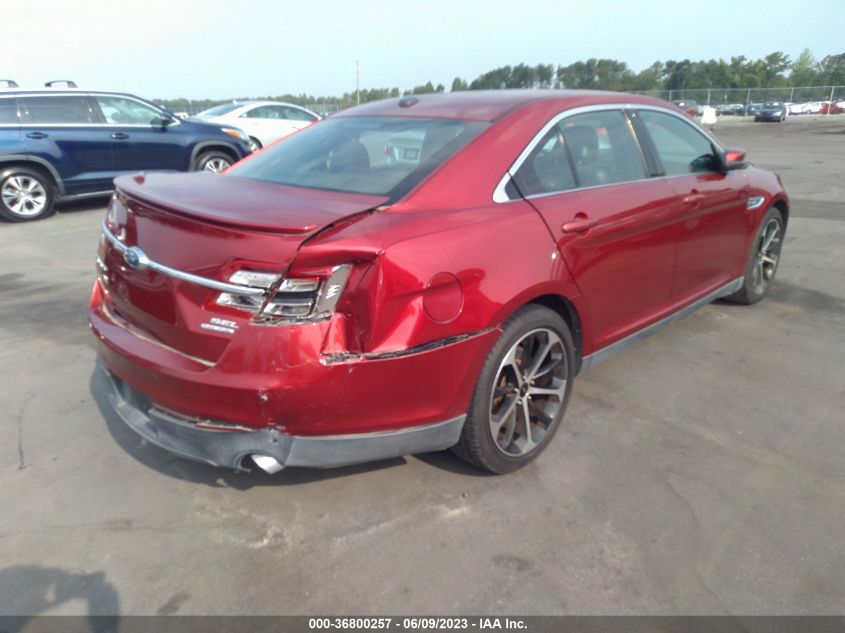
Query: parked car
{"points": [[404, 147], [319, 305], [264, 121], [771, 111], [690, 106], [731, 109], [828, 107], [64, 144]]}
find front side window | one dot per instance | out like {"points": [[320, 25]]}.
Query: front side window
{"points": [[681, 148], [123, 111], [368, 155], [8, 111], [59, 109]]}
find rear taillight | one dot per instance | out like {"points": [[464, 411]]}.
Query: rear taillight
{"points": [[303, 297]]}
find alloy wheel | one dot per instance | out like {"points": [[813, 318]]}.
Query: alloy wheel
{"points": [[216, 165], [767, 256], [528, 392], [24, 196]]}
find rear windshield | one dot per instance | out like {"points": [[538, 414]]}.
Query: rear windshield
{"points": [[370, 155], [220, 110]]}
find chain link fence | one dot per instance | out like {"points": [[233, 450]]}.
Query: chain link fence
{"points": [[717, 97]]}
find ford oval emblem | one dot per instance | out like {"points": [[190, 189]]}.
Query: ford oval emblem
{"points": [[135, 258]]}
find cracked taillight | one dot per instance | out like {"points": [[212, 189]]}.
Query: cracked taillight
{"points": [[296, 298]]}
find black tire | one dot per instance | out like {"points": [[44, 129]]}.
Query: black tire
{"points": [[254, 144], [493, 394], [26, 194], [214, 161], [756, 119], [759, 274]]}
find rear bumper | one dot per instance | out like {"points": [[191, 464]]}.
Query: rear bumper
{"points": [[229, 448]]}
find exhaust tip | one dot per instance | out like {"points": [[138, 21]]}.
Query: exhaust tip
{"points": [[269, 465]]}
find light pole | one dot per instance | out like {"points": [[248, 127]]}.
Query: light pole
{"points": [[357, 82]]}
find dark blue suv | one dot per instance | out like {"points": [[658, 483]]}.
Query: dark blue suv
{"points": [[64, 144]]}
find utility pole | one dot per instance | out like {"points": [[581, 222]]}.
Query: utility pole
{"points": [[357, 82]]}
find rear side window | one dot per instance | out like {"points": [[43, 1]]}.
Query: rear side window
{"points": [[8, 111], [681, 148], [295, 114], [59, 109], [369, 155]]}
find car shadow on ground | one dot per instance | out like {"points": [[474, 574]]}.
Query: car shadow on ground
{"points": [[172, 465], [97, 203]]}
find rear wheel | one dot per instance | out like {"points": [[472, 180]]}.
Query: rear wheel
{"points": [[25, 194], [521, 394], [213, 161], [763, 260]]}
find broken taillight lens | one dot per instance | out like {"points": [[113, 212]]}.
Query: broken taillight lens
{"points": [[296, 298]]}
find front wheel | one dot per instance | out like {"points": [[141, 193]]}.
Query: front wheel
{"points": [[521, 394], [25, 195], [214, 162], [254, 144], [763, 260]]}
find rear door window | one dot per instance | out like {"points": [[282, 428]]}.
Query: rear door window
{"points": [[296, 114], [681, 148], [602, 148], [57, 110], [8, 111], [547, 169]]}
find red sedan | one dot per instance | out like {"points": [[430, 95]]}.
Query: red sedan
{"points": [[319, 305]]}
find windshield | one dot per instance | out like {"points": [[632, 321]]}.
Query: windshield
{"points": [[773, 104], [368, 155], [220, 110]]}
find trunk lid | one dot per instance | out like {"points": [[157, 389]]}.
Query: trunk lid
{"points": [[211, 226]]}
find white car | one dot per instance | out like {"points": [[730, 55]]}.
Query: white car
{"points": [[263, 121]]}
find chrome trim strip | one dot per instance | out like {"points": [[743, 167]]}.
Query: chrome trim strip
{"points": [[137, 259], [612, 349], [499, 194]]}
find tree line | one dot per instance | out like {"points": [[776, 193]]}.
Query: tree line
{"points": [[775, 70]]}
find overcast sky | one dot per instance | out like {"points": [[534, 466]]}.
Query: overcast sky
{"points": [[226, 48]]}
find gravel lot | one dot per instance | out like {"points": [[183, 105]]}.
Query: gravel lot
{"points": [[700, 472]]}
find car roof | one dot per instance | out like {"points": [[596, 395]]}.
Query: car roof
{"points": [[242, 104], [64, 91], [487, 105]]}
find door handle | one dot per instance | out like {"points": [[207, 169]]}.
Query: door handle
{"points": [[694, 198], [36, 135], [580, 224], [120, 136]]}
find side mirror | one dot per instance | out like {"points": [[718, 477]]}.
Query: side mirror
{"points": [[163, 121], [734, 159]]}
